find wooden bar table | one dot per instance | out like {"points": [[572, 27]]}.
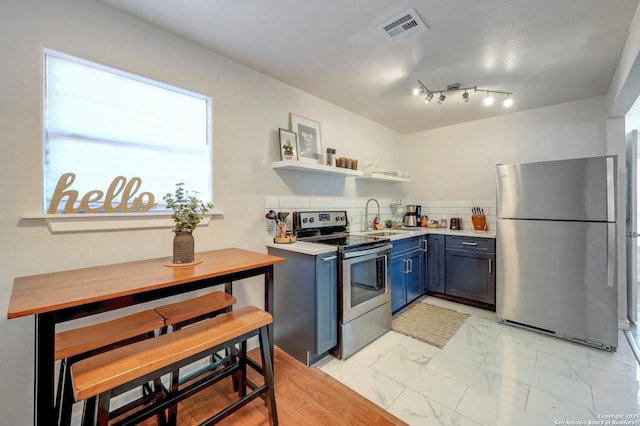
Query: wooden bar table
{"points": [[67, 295]]}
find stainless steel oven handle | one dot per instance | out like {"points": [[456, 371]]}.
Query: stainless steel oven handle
{"points": [[358, 253]]}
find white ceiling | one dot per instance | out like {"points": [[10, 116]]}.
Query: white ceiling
{"points": [[544, 51]]}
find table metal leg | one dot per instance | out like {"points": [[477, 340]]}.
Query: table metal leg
{"points": [[44, 413], [268, 302]]}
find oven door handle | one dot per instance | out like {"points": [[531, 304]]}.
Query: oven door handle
{"points": [[358, 253]]}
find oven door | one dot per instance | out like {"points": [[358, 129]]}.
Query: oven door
{"points": [[365, 281]]}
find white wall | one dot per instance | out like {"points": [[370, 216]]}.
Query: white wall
{"points": [[248, 109], [458, 162]]}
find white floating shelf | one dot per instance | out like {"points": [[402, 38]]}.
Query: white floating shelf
{"points": [[299, 166], [385, 178]]}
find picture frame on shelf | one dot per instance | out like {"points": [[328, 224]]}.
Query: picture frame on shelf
{"points": [[309, 138], [288, 139]]}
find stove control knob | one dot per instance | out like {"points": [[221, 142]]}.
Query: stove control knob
{"points": [[304, 220], [310, 220], [337, 218]]}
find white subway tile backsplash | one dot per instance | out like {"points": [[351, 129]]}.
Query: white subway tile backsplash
{"points": [[484, 203], [456, 203], [431, 204], [355, 208], [294, 203], [344, 203], [321, 203]]}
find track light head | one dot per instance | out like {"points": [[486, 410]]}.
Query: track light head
{"points": [[416, 91], [465, 96], [488, 100], [441, 99], [429, 98], [508, 102]]}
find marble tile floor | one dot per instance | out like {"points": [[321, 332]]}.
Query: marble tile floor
{"points": [[493, 374]]}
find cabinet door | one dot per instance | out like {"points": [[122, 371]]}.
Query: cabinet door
{"points": [[326, 303], [471, 275], [415, 280], [398, 285], [435, 263]]}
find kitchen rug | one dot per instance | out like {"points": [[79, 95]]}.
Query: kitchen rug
{"points": [[428, 323]]}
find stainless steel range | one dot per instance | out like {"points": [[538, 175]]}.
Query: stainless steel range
{"points": [[364, 277]]}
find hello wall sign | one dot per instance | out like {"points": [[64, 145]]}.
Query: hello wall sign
{"points": [[119, 187]]}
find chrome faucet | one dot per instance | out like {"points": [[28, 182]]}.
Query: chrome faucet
{"points": [[366, 213]]}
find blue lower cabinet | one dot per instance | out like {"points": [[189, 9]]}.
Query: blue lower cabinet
{"points": [[407, 272], [398, 288], [470, 269], [435, 263], [415, 275]]}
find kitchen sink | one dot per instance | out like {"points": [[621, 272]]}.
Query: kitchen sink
{"points": [[383, 234]]}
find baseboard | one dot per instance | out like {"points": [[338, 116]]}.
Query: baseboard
{"points": [[624, 324], [633, 344]]}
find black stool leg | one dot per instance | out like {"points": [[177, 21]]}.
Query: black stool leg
{"points": [[63, 366], [267, 371], [241, 377], [66, 399], [89, 412], [103, 409]]}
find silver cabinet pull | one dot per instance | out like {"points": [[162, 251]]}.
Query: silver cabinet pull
{"points": [[410, 265], [465, 243], [406, 266], [425, 246], [490, 266], [326, 259]]}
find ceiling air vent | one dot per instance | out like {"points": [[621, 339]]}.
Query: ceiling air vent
{"points": [[404, 26]]}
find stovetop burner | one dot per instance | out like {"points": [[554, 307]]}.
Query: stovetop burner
{"points": [[344, 241]]}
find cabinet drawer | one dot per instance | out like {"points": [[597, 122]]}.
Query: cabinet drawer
{"points": [[405, 245], [471, 243]]}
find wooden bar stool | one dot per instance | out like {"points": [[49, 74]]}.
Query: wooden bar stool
{"points": [[97, 378], [186, 312], [74, 345]]}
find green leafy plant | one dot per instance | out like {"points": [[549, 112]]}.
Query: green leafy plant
{"points": [[188, 210], [287, 146]]}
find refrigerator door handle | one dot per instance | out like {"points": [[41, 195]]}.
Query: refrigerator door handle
{"points": [[611, 190], [490, 266], [611, 253]]}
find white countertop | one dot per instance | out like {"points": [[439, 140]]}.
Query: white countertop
{"points": [[316, 249], [413, 232]]}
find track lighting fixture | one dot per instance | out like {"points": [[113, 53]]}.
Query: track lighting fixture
{"points": [[488, 99]]}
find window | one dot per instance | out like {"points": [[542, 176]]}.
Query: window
{"points": [[101, 123]]}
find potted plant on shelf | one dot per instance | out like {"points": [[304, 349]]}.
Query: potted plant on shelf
{"points": [[188, 211], [288, 150]]}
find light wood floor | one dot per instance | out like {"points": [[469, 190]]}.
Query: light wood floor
{"points": [[303, 395]]}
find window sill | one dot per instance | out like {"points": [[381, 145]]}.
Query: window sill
{"points": [[59, 223]]}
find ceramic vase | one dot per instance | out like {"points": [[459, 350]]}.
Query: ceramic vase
{"points": [[183, 247]]}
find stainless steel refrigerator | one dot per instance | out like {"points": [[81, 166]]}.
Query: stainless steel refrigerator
{"points": [[556, 249]]}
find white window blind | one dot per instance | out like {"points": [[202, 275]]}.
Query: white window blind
{"points": [[101, 123]]}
